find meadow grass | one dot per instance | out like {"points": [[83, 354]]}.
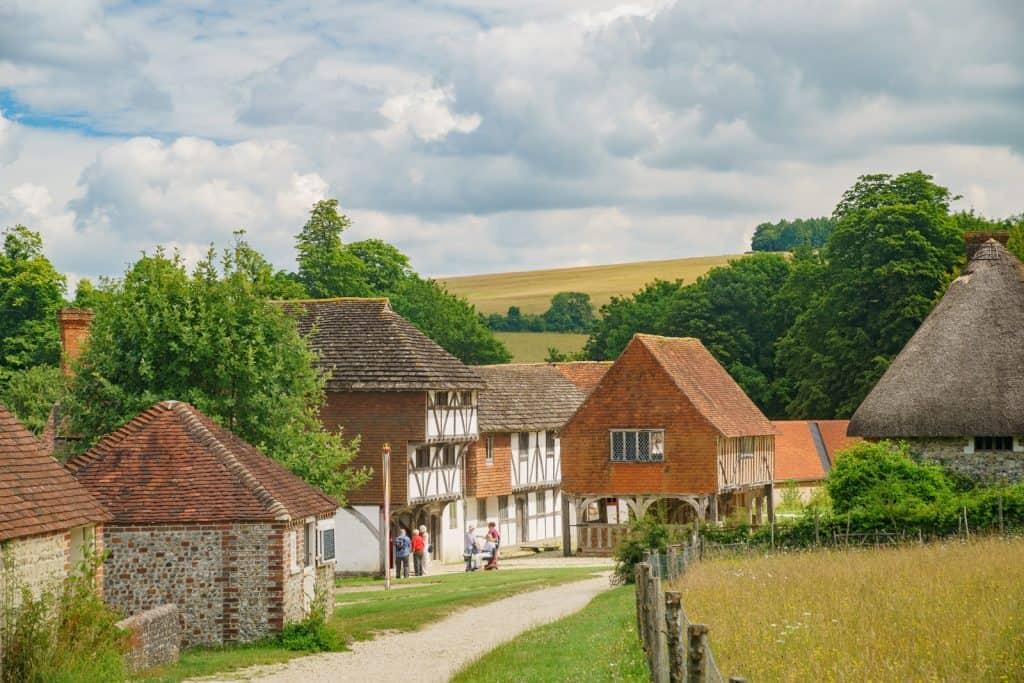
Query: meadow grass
{"points": [[532, 290], [599, 643], [944, 612], [532, 347], [360, 615]]}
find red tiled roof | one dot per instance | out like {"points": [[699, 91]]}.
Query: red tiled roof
{"points": [[37, 495], [805, 450], [173, 464], [585, 374], [703, 380]]}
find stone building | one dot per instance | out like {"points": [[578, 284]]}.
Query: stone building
{"points": [[388, 383], [665, 423], [48, 521], [805, 452], [955, 393], [514, 472], [203, 520]]}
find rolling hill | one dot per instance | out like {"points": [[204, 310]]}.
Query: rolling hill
{"points": [[532, 290]]}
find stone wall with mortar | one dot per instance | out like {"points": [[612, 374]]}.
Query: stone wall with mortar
{"points": [[989, 466], [155, 637], [38, 562]]}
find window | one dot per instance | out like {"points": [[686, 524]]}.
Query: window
{"points": [[747, 447], [448, 455], [489, 442], [993, 443], [293, 547], [441, 399], [549, 444], [325, 529], [524, 446], [309, 545], [422, 458], [466, 398], [638, 445], [503, 508], [481, 510], [542, 502], [453, 516]]}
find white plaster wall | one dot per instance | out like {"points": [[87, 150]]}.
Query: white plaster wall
{"points": [[357, 548], [452, 539]]}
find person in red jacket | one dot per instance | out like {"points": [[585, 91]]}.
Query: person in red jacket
{"points": [[418, 546]]}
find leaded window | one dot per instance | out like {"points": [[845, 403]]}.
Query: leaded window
{"points": [[638, 445]]}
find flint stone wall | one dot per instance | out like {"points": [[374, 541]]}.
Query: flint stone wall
{"points": [[155, 637], [987, 466]]}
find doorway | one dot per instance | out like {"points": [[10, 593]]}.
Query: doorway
{"points": [[521, 521]]}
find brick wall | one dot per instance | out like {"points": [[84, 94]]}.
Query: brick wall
{"points": [[155, 637], [397, 417], [636, 393], [222, 577], [38, 562], [482, 479], [981, 465]]}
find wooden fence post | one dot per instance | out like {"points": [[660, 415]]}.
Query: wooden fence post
{"points": [[674, 637], [696, 665], [643, 570], [656, 633]]}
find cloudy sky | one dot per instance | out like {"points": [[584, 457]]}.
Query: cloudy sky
{"points": [[489, 135]]}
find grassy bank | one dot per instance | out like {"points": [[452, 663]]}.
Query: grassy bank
{"points": [[532, 290], [599, 643], [360, 615], [532, 347], [922, 613]]}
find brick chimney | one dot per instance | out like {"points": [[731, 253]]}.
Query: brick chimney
{"points": [[74, 332], [977, 238]]}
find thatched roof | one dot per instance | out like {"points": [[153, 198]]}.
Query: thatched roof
{"points": [[526, 397], [962, 373], [365, 346]]}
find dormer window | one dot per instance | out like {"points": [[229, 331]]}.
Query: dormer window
{"points": [[993, 443]]}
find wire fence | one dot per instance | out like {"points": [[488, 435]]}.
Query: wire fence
{"points": [[676, 648]]}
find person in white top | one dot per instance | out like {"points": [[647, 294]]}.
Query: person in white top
{"points": [[426, 542]]}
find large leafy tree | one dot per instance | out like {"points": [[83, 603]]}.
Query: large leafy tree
{"points": [[208, 337], [894, 247], [326, 268], [789, 235], [31, 292], [569, 312], [384, 266]]}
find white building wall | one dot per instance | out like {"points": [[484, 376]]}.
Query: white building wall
{"points": [[453, 531], [357, 548]]}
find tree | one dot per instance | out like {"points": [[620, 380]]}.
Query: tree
{"points": [[622, 317], [384, 266], [789, 235], [570, 312], [893, 248], [326, 268], [31, 292], [31, 394], [449, 320], [212, 339]]}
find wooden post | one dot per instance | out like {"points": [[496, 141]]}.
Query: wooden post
{"points": [[696, 665], [967, 529], [641, 585], [674, 637], [1000, 513], [385, 456], [656, 633]]}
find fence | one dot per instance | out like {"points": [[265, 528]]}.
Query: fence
{"points": [[677, 650]]}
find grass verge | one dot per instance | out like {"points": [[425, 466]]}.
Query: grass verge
{"points": [[598, 643], [941, 612]]}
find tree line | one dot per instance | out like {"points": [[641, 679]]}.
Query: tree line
{"points": [[568, 312], [788, 235]]}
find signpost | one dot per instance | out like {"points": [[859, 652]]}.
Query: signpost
{"points": [[385, 456]]}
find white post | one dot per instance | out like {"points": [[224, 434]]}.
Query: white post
{"points": [[385, 456]]}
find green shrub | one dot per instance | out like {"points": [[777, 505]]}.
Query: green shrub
{"points": [[650, 533], [312, 634]]}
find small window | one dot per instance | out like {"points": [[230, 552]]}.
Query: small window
{"points": [[448, 456], [326, 531], [524, 444], [440, 399], [747, 447], [638, 445], [503, 508], [453, 516], [490, 450], [293, 548], [422, 457], [542, 502], [549, 444], [993, 443], [467, 398], [309, 545], [481, 510]]}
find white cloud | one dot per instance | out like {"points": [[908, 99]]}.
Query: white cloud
{"points": [[427, 114], [9, 145]]}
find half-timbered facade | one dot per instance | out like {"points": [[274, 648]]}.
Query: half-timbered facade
{"points": [[665, 423], [388, 383], [515, 469]]}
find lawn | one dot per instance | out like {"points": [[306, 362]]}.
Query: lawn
{"points": [[532, 347], [359, 615], [599, 643], [532, 290], [947, 612]]}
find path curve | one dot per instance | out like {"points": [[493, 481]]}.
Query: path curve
{"points": [[438, 650]]}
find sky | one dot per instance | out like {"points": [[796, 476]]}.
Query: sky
{"points": [[488, 135]]}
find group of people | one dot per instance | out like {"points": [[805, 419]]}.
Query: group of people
{"points": [[491, 543], [418, 546]]}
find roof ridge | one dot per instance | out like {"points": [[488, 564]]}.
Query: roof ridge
{"points": [[190, 418], [375, 299]]}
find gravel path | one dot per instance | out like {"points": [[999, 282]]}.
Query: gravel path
{"points": [[438, 650]]}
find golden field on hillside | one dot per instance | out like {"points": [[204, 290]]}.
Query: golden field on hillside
{"points": [[532, 290], [532, 347], [949, 612]]}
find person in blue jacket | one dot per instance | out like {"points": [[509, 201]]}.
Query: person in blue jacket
{"points": [[403, 546]]}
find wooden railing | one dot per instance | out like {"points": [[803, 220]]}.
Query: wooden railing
{"points": [[599, 539]]}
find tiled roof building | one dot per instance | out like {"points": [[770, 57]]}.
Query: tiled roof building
{"points": [[204, 520], [805, 452], [586, 374]]}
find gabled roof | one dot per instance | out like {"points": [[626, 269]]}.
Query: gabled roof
{"points": [[585, 374], [805, 450], [172, 464], [366, 346], [37, 495], [962, 373], [526, 397], [702, 379]]}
